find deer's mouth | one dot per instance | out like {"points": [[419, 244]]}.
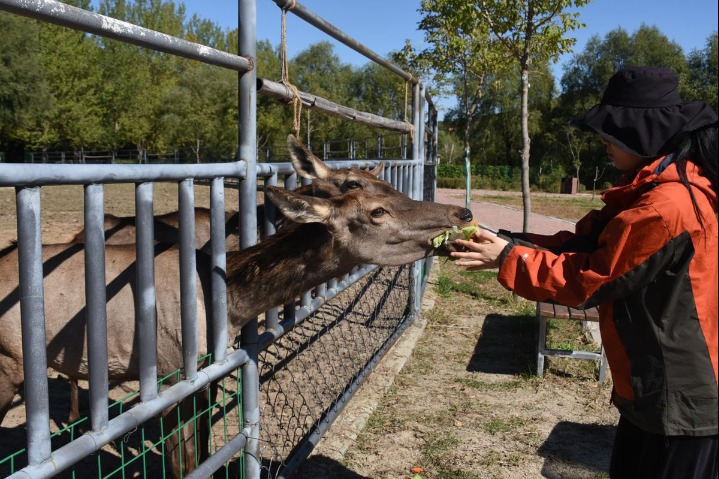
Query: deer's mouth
{"points": [[443, 242]]}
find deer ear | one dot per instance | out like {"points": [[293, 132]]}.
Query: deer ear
{"points": [[306, 164], [377, 170], [299, 208]]}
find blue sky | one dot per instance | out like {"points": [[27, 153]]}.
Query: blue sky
{"points": [[687, 22], [384, 25]]}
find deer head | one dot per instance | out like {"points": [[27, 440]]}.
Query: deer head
{"points": [[388, 230]]}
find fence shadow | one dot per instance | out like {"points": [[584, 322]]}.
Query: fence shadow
{"points": [[579, 451], [322, 467], [505, 346]]}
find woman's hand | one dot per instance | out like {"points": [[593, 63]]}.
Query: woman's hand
{"points": [[482, 252]]}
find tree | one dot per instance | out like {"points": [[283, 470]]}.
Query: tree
{"points": [[20, 107], [703, 73], [200, 112], [461, 57], [69, 57], [530, 31]]}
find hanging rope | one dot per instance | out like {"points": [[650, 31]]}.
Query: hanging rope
{"points": [[406, 103], [296, 101]]}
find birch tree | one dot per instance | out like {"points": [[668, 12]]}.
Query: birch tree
{"points": [[529, 31], [462, 57]]}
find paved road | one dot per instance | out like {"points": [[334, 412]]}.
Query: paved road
{"points": [[496, 216]]}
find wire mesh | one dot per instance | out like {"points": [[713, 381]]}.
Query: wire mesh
{"points": [[142, 452], [304, 374]]}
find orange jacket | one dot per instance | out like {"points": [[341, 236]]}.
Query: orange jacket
{"points": [[651, 267]]}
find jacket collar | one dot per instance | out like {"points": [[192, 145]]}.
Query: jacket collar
{"points": [[661, 170]]}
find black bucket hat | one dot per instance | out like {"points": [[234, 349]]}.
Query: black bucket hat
{"points": [[642, 113]]}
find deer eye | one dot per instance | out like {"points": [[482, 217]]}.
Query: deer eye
{"points": [[353, 185], [378, 212]]}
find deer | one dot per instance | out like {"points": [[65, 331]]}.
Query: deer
{"points": [[326, 183], [327, 238]]}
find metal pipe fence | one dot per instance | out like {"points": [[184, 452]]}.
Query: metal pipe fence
{"points": [[289, 376]]}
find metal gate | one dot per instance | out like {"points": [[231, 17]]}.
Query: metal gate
{"points": [[287, 381]]}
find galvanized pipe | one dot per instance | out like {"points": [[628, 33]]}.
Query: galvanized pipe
{"points": [[313, 19], [220, 457], [272, 317], [247, 119], [218, 272], [96, 300], [30, 175], [188, 283], [60, 13], [281, 92], [145, 297], [32, 314]]}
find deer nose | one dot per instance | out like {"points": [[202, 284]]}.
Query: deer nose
{"points": [[466, 215]]}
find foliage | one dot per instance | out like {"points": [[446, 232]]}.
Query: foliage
{"points": [[91, 93]]}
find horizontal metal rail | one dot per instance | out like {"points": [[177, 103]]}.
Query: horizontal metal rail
{"points": [[79, 19], [281, 92], [28, 174], [321, 24]]}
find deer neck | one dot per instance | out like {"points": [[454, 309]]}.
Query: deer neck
{"points": [[278, 269]]}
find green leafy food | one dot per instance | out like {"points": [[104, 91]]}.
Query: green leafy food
{"points": [[454, 234]]}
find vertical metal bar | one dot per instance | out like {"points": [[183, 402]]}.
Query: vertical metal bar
{"points": [[272, 317], [96, 300], [417, 122], [145, 298], [291, 182], [414, 299], [32, 314], [270, 211], [247, 47], [218, 271], [419, 169], [188, 283], [306, 299]]}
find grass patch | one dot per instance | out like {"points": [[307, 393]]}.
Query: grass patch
{"points": [[480, 285], [502, 426], [512, 385], [436, 447]]}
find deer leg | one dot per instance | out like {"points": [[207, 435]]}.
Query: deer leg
{"points": [[10, 383], [74, 401]]}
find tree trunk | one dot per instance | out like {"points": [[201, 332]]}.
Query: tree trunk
{"points": [[526, 199], [467, 169]]}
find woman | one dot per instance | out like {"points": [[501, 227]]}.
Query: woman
{"points": [[648, 258]]}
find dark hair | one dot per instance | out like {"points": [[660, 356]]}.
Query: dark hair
{"points": [[700, 147]]}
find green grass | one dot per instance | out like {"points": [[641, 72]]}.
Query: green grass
{"points": [[512, 385], [481, 285], [496, 426]]}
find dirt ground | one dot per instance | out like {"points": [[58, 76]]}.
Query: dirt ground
{"points": [[467, 403], [457, 396]]}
